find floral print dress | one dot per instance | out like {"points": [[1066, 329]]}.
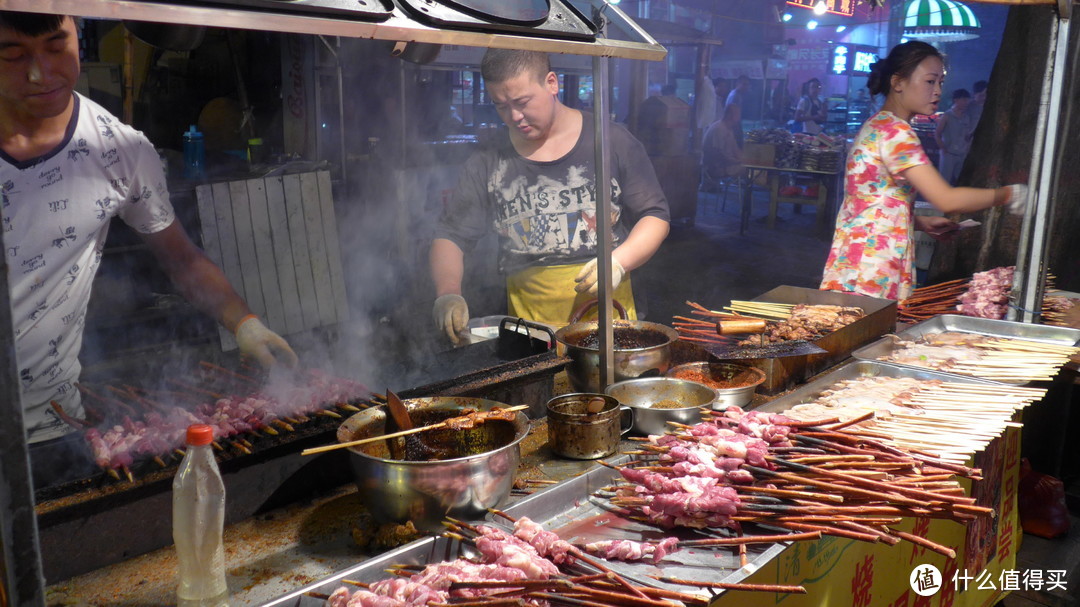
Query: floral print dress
{"points": [[873, 249]]}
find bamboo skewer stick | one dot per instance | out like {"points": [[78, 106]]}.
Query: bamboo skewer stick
{"points": [[727, 586], [371, 439]]}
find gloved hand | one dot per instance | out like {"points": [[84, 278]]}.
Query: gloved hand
{"points": [[262, 344], [1018, 199], [586, 279], [451, 314]]}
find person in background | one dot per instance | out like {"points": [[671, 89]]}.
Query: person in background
{"points": [[953, 134], [704, 104], [738, 94], [721, 156], [872, 250], [978, 101], [67, 167], [536, 191], [812, 111], [721, 88]]}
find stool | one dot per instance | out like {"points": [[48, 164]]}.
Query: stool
{"points": [[719, 186]]}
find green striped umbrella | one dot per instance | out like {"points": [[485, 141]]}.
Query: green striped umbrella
{"points": [[939, 20]]}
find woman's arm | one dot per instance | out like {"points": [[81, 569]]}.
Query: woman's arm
{"points": [[929, 182]]}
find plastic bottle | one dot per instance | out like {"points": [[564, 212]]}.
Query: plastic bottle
{"points": [[198, 523], [194, 154]]}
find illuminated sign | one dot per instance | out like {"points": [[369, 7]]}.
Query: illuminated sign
{"points": [[836, 7], [840, 59], [863, 61], [848, 59]]}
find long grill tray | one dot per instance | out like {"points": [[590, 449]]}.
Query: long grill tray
{"points": [[968, 324]]}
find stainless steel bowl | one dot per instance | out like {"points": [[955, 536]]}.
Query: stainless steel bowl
{"points": [[739, 381], [425, 492], [641, 394]]}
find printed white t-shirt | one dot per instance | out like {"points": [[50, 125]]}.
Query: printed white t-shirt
{"points": [[56, 213]]}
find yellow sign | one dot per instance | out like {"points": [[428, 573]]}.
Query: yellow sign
{"points": [[840, 571]]}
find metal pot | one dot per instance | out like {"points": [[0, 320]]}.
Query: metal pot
{"points": [[576, 433], [425, 492], [641, 394], [734, 384], [642, 349]]}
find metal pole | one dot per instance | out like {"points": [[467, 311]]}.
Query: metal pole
{"points": [[603, 221], [23, 580], [1029, 279]]}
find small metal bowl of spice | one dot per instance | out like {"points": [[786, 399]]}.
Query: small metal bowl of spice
{"points": [[734, 384], [658, 400]]}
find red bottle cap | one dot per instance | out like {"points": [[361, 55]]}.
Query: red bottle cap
{"points": [[200, 434]]}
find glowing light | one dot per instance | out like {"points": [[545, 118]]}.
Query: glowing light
{"points": [[786, 17], [904, 39], [840, 28], [811, 24], [820, 8]]}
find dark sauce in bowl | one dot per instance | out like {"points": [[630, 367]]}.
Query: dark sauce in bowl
{"points": [[625, 338]]}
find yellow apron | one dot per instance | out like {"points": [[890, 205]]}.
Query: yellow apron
{"points": [[542, 294]]}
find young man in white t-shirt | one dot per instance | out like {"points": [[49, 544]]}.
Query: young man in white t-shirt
{"points": [[67, 167]]}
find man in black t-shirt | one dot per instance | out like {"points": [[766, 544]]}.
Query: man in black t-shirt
{"points": [[537, 191]]}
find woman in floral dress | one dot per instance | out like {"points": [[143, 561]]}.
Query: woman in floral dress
{"points": [[873, 249]]}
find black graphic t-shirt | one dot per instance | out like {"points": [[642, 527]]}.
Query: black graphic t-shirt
{"points": [[545, 212]]}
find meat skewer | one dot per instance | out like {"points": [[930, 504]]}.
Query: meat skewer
{"points": [[461, 422]]}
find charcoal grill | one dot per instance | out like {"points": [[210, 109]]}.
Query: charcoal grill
{"points": [[94, 522]]}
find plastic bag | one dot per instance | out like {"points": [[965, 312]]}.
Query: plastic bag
{"points": [[1041, 499]]}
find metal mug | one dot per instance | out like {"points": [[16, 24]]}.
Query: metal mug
{"points": [[575, 433]]}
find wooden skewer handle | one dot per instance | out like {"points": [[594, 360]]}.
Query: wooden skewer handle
{"points": [[741, 326], [370, 439]]}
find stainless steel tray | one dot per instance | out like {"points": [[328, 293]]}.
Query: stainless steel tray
{"points": [[967, 324], [571, 510], [854, 370]]}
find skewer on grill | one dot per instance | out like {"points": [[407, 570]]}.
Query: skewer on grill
{"points": [[362, 441]]}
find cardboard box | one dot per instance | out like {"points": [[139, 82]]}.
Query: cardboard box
{"points": [[760, 154]]}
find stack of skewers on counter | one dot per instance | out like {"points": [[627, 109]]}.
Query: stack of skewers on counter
{"points": [[1002, 359], [984, 295], [734, 479]]}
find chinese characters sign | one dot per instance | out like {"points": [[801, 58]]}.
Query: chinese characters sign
{"points": [[836, 7]]}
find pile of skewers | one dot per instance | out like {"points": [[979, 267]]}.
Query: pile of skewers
{"points": [[738, 468], [783, 322], [528, 565], [928, 302], [984, 295], [126, 424], [951, 420], [1003, 359]]}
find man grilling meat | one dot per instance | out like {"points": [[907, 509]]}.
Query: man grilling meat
{"points": [[537, 191], [67, 167]]}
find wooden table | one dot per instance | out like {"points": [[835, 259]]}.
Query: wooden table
{"points": [[827, 201]]}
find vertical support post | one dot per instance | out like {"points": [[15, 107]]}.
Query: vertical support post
{"points": [[604, 227], [21, 574], [1029, 280]]}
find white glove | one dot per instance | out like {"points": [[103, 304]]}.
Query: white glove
{"points": [[1018, 199], [451, 314], [262, 344], [586, 279]]}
